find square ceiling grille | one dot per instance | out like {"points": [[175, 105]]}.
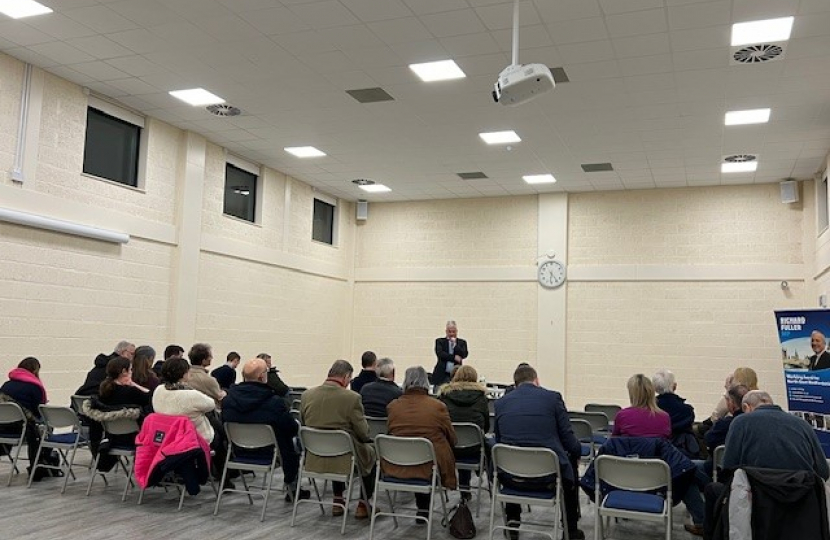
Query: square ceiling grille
{"points": [[478, 175], [370, 95], [597, 167]]}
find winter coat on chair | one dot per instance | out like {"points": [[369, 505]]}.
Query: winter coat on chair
{"points": [[171, 444], [682, 468]]}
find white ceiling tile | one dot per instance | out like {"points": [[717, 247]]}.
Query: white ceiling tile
{"points": [[183, 35], [593, 70], [420, 7], [755, 10], [566, 10], [375, 58], [531, 37], [59, 26], [699, 15], [145, 12], [139, 41], [610, 7], [592, 51], [331, 62], [325, 14], [99, 70], [500, 16], [700, 38], [638, 22], [242, 6], [305, 42], [469, 45], [645, 65], [400, 30], [370, 10], [417, 52], [700, 59], [578, 31], [353, 37], [22, 34], [274, 21], [204, 8], [452, 23], [133, 86], [101, 19], [106, 89], [61, 53], [70, 75], [135, 65], [99, 47], [229, 28]]}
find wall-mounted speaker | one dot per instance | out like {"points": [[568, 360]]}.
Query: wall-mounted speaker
{"points": [[789, 191], [362, 210]]}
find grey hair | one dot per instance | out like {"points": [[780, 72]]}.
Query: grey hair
{"points": [[385, 367], [753, 398], [340, 368], [663, 381], [416, 377], [451, 324], [123, 346]]}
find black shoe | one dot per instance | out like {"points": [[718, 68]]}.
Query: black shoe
{"points": [[466, 495], [228, 484], [422, 514], [576, 534], [304, 494]]}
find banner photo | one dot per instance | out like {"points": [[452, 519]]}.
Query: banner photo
{"points": [[803, 337]]}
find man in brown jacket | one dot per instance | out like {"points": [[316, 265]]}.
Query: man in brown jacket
{"points": [[333, 406]]}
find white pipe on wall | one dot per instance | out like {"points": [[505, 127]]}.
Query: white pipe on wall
{"points": [[17, 171], [57, 225]]}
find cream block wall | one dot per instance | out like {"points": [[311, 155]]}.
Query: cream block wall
{"points": [[65, 299], [10, 84], [402, 320]]}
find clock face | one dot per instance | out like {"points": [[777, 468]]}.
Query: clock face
{"points": [[551, 274]]}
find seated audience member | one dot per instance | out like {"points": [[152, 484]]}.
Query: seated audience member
{"points": [[274, 380], [333, 406], [417, 414], [742, 375], [171, 351], [176, 397], [466, 401], [767, 437], [377, 395], [99, 372], [25, 388], [119, 388], [534, 416], [254, 402], [682, 414], [368, 374], [225, 375], [717, 435], [643, 418], [143, 373], [199, 379]]}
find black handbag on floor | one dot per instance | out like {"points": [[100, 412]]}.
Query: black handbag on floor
{"points": [[461, 522]]}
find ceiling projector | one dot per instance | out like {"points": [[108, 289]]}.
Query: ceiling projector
{"points": [[519, 84]]}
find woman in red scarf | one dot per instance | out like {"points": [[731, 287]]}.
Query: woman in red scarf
{"points": [[25, 388]]}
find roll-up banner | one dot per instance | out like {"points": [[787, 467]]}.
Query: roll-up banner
{"points": [[803, 336]]}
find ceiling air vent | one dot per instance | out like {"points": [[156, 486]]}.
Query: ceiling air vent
{"points": [[363, 182], [223, 110], [597, 167], [370, 95], [477, 175], [740, 158], [756, 54]]}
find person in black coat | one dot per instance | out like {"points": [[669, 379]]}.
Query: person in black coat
{"points": [[451, 352], [377, 395], [225, 375], [368, 374], [254, 402], [99, 371], [681, 413], [25, 388]]}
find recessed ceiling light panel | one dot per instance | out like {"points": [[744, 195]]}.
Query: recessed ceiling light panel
{"points": [[18, 9], [304, 151], [375, 188], [750, 116], [443, 70], [539, 179], [198, 97], [745, 166], [500, 137], [763, 31]]}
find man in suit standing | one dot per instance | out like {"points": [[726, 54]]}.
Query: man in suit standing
{"points": [[451, 352], [534, 416], [821, 358]]}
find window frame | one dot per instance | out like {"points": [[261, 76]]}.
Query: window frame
{"points": [[822, 203], [335, 218], [130, 117], [250, 168]]}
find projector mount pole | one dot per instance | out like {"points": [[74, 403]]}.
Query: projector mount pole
{"points": [[516, 33]]}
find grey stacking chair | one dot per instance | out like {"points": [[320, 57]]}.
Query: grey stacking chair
{"points": [[377, 426], [717, 461], [585, 435], [123, 426], [11, 414], [54, 435], [610, 410], [470, 437]]}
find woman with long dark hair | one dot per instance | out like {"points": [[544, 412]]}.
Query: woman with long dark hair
{"points": [[143, 372]]}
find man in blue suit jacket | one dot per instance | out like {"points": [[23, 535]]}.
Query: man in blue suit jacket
{"points": [[534, 416]]}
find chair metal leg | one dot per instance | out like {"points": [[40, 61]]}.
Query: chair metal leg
{"points": [[297, 499], [92, 474], [69, 467], [34, 466], [14, 464], [221, 490], [247, 489], [349, 487], [129, 480], [268, 492]]}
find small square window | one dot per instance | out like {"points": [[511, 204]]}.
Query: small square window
{"points": [[240, 193], [323, 225], [111, 149]]}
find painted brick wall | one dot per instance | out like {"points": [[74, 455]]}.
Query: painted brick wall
{"points": [[719, 225], [10, 85], [65, 299], [402, 320], [452, 233], [249, 307]]}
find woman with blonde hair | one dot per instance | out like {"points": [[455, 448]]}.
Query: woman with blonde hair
{"points": [[644, 418], [742, 375]]}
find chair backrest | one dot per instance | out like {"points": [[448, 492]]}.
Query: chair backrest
{"points": [[377, 426], [582, 430], [491, 406], [405, 451], [468, 435], [525, 462], [633, 474], [326, 442], [296, 415], [77, 403], [295, 404], [11, 413], [250, 436], [717, 458], [59, 417], [609, 410], [121, 426], [598, 420]]}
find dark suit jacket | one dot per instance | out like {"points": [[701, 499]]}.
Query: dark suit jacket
{"points": [[534, 416], [822, 362], [442, 351]]}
